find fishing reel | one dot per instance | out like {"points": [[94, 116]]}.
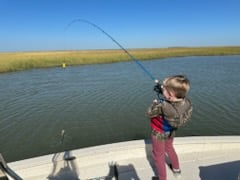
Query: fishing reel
{"points": [[158, 87]]}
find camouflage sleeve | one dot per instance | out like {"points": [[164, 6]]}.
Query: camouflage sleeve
{"points": [[154, 110]]}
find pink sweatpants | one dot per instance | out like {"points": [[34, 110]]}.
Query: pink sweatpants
{"points": [[160, 148]]}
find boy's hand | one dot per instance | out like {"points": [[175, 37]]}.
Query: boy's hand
{"points": [[158, 88]]}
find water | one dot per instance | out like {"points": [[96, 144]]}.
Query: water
{"points": [[99, 104]]}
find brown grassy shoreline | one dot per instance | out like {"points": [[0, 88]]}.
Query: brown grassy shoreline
{"points": [[18, 61]]}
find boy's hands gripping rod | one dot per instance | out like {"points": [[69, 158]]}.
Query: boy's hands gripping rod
{"points": [[158, 89]]}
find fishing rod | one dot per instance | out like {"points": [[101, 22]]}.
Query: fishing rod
{"points": [[157, 87], [116, 42], [62, 135]]}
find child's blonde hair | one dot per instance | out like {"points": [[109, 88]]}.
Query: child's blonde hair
{"points": [[178, 84]]}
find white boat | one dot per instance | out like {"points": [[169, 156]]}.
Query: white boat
{"points": [[201, 157]]}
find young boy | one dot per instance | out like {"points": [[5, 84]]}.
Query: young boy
{"points": [[165, 116]]}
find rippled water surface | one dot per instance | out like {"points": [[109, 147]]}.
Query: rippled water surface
{"points": [[99, 104]]}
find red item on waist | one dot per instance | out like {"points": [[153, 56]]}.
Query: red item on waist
{"points": [[157, 124]]}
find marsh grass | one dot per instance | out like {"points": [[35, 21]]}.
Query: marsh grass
{"points": [[19, 61]]}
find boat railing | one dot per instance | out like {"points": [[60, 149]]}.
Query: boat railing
{"points": [[5, 171]]}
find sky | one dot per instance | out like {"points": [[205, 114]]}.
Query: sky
{"points": [[40, 25]]}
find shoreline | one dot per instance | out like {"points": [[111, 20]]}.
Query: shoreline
{"points": [[19, 61]]}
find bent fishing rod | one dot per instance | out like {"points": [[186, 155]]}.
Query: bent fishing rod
{"points": [[116, 42], [157, 86]]}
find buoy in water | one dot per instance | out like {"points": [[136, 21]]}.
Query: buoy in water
{"points": [[63, 65]]}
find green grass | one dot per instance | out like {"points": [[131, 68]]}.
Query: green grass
{"points": [[19, 61]]}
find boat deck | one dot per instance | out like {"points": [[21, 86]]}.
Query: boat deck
{"points": [[202, 157]]}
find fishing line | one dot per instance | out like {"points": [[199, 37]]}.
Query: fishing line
{"points": [[116, 42]]}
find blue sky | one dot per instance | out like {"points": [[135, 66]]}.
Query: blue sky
{"points": [[38, 25]]}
